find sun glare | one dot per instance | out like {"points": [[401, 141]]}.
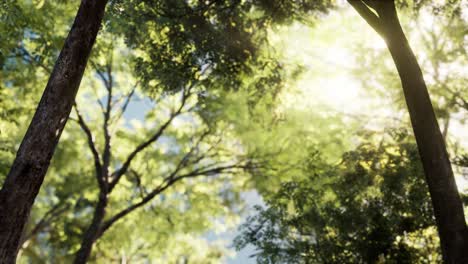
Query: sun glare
{"points": [[327, 83], [327, 53]]}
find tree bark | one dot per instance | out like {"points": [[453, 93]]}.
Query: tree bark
{"points": [[35, 152], [448, 207], [93, 231]]}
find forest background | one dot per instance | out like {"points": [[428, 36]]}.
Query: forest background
{"points": [[282, 125]]}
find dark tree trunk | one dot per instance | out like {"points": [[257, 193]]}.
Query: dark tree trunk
{"points": [[93, 232], [33, 157], [448, 207]]}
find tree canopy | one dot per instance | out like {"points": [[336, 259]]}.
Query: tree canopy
{"points": [[187, 107]]}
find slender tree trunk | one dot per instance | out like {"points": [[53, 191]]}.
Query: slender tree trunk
{"points": [[448, 207], [33, 157], [93, 231]]}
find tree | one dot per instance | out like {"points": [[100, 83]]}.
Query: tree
{"points": [[184, 74], [448, 207], [281, 233], [437, 46], [32, 159], [147, 163], [186, 53], [419, 107], [35, 152], [434, 155], [202, 155]]}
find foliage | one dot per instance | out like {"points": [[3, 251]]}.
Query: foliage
{"points": [[167, 144], [218, 42], [372, 207], [332, 195], [28, 47]]}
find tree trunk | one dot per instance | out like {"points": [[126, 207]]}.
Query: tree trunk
{"points": [[448, 207], [93, 231], [33, 157]]}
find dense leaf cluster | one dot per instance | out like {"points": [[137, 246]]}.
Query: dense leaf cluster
{"points": [[367, 209]]}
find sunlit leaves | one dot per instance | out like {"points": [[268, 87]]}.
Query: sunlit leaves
{"points": [[245, 94], [372, 207]]}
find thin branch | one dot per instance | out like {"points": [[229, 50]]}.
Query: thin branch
{"points": [[45, 221], [128, 98], [126, 165], [457, 95], [118, 173], [103, 109], [100, 74], [107, 114], [186, 158], [91, 144], [137, 178], [30, 59], [168, 182], [104, 80]]}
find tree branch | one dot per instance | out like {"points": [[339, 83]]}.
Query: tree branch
{"points": [[168, 182], [30, 59], [118, 173], [137, 178], [91, 144], [128, 98], [100, 74], [107, 137], [364, 10], [45, 221]]}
